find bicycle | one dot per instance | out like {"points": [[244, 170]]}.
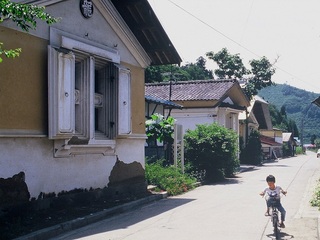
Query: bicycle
{"points": [[273, 199]]}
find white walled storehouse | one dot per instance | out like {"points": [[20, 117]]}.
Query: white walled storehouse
{"points": [[72, 105]]}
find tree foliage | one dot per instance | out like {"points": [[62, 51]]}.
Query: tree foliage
{"points": [[190, 71], [9, 53], [198, 70], [231, 66], [280, 120], [160, 129], [25, 16]]}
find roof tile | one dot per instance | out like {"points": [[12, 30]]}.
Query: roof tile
{"points": [[190, 90]]}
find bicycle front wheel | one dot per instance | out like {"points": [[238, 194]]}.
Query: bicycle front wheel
{"points": [[275, 222]]}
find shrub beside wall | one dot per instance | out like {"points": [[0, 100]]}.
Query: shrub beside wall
{"points": [[168, 178], [214, 149]]}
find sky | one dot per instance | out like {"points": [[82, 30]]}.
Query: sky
{"points": [[287, 32]]}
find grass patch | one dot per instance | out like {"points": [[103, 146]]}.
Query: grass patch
{"points": [[315, 201]]}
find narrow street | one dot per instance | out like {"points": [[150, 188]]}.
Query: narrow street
{"points": [[229, 210]]}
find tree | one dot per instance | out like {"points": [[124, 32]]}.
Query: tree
{"points": [[231, 66], [190, 71], [165, 73], [252, 153], [313, 138], [280, 120], [198, 71], [283, 111], [25, 16]]}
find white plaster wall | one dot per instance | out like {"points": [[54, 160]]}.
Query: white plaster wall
{"points": [[189, 118], [44, 173], [278, 140], [129, 150]]}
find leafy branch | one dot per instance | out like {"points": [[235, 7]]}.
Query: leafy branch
{"points": [[12, 53], [25, 16], [159, 128]]}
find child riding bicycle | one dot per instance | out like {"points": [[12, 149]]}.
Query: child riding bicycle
{"points": [[271, 190]]}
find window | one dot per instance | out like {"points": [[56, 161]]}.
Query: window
{"points": [[89, 95]]}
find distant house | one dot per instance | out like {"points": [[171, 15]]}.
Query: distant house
{"points": [[273, 142], [316, 101], [258, 118], [72, 105], [270, 148], [205, 101], [274, 133], [290, 143]]}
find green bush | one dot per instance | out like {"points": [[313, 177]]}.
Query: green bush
{"points": [[252, 153], [299, 150], [212, 148], [286, 150], [168, 178]]}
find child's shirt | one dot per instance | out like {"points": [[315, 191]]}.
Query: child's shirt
{"points": [[277, 191]]}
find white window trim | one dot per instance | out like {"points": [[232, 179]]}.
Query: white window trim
{"points": [[60, 39], [62, 135], [76, 45], [63, 149]]}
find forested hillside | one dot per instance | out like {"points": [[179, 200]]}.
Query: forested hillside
{"points": [[297, 103]]}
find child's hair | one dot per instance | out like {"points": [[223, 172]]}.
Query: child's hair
{"points": [[271, 178]]}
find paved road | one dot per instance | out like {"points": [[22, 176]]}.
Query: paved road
{"points": [[231, 210]]}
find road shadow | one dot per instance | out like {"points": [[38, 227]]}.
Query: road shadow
{"points": [[278, 165], [129, 218], [248, 169], [225, 181], [283, 236], [232, 180]]}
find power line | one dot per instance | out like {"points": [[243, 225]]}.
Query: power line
{"points": [[237, 43], [216, 30]]}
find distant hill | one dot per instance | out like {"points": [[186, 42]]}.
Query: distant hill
{"points": [[298, 107]]}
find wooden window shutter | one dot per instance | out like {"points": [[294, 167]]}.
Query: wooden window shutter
{"points": [[124, 101], [61, 76]]}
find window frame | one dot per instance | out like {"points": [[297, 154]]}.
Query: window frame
{"points": [[62, 104]]}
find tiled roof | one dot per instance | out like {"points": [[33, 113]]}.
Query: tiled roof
{"points": [[190, 90], [269, 141]]}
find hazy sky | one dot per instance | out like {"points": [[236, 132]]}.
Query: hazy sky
{"points": [[287, 30]]}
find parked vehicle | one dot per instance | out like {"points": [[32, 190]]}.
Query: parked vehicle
{"points": [[318, 153]]}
